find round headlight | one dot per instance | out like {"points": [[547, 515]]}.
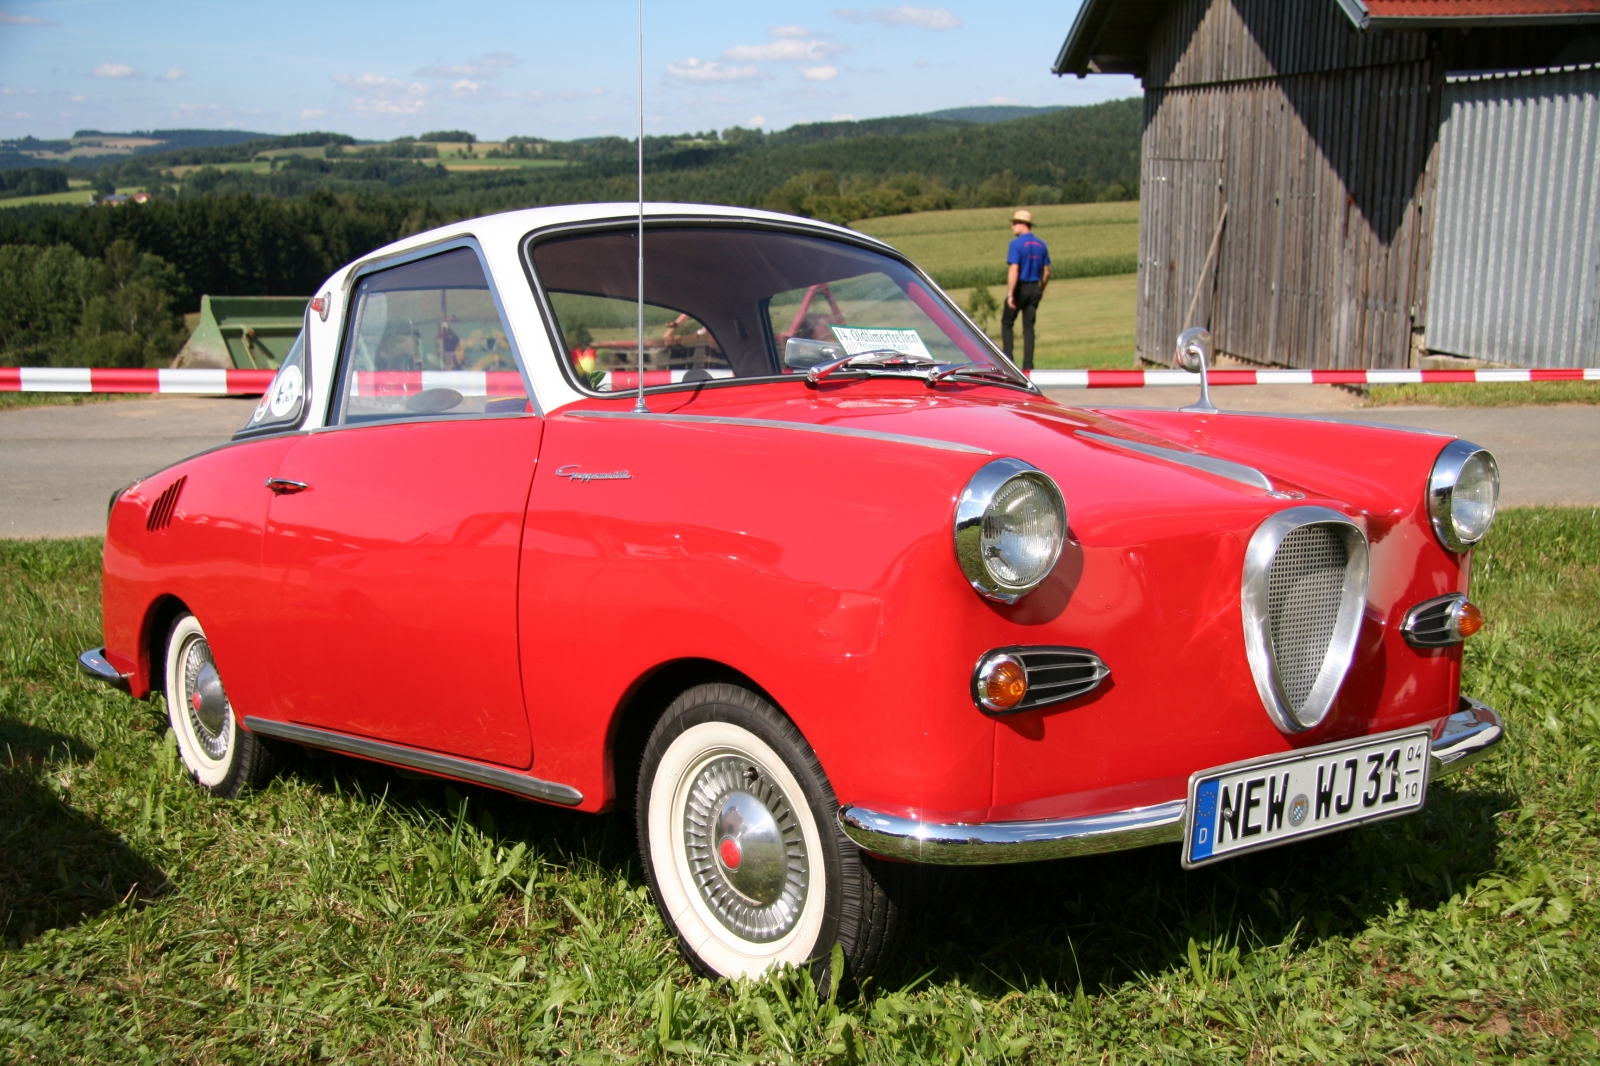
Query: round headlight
{"points": [[1010, 526], [1463, 490]]}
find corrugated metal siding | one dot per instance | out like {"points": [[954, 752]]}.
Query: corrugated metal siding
{"points": [[1516, 235]]}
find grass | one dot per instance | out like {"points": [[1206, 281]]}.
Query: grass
{"points": [[1082, 322], [10, 400], [1488, 394], [963, 248], [72, 196], [349, 914]]}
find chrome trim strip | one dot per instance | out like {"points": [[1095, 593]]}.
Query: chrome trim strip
{"points": [[982, 843], [1255, 599], [1244, 475], [1461, 739], [93, 663], [799, 427], [426, 761]]}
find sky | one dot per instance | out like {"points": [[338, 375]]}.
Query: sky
{"points": [[496, 68]]}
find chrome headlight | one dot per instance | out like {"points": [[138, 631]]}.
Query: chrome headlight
{"points": [[1010, 525], [1463, 490]]}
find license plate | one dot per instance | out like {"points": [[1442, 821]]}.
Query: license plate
{"points": [[1261, 803]]}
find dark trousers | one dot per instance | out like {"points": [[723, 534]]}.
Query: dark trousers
{"points": [[1027, 298]]}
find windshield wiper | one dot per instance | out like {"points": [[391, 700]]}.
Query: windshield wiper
{"points": [[974, 370], [882, 359]]}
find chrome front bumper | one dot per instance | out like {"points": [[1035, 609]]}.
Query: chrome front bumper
{"points": [[93, 663], [1459, 740]]}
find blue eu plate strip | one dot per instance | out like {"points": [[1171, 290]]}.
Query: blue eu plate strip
{"points": [[1203, 826]]}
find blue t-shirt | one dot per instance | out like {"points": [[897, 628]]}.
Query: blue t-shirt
{"points": [[1030, 255]]}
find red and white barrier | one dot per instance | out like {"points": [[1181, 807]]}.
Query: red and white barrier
{"points": [[100, 379], [1140, 379], [509, 383]]}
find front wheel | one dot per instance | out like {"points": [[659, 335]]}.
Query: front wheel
{"points": [[221, 756], [742, 848]]}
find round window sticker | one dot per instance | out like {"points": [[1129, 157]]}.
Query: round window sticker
{"points": [[286, 391]]}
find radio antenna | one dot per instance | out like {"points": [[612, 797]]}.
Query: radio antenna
{"points": [[638, 404]]}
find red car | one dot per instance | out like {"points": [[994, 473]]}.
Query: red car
{"points": [[838, 588]]}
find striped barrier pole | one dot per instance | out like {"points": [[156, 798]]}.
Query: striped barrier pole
{"points": [[1138, 379], [480, 383], [102, 379]]}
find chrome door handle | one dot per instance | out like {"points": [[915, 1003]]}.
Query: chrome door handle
{"points": [[282, 486]]}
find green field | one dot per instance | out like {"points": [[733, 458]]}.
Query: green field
{"points": [[1082, 322], [349, 914], [1084, 239], [72, 196]]}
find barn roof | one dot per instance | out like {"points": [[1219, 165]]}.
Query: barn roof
{"points": [[1108, 36]]}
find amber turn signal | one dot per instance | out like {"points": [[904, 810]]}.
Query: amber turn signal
{"points": [[1001, 682], [1468, 619]]}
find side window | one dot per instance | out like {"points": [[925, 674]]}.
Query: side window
{"points": [[284, 404], [426, 339]]}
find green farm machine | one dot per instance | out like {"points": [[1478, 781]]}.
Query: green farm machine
{"points": [[242, 332]]}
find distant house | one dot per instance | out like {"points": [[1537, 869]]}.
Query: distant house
{"points": [[1388, 183]]}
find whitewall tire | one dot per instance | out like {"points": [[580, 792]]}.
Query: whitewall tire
{"points": [[741, 845], [221, 756]]}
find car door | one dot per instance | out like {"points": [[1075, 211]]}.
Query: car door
{"points": [[391, 544]]}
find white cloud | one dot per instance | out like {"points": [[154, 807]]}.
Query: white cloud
{"points": [[825, 73], [8, 91], [787, 50], [174, 75], [696, 71], [927, 18], [845, 117], [757, 120], [465, 87], [789, 31], [311, 112], [9, 19], [581, 94], [80, 99], [487, 66], [919, 64], [378, 94], [21, 114], [115, 70]]}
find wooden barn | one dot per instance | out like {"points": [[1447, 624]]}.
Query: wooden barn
{"points": [[1364, 183]]}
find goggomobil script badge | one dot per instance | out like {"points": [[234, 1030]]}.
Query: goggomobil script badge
{"points": [[855, 340], [571, 471]]}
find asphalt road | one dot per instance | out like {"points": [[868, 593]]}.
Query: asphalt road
{"points": [[59, 465]]}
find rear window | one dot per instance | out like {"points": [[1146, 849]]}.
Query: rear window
{"points": [[722, 302]]}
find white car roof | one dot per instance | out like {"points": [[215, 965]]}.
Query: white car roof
{"points": [[500, 237]]}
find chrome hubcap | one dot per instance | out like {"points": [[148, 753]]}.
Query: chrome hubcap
{"points": [[206, 703], [745, 849]]}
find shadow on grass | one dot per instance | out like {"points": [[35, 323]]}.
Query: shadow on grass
{"points": [[58, 867], [1100, 921], [1108, 919]]}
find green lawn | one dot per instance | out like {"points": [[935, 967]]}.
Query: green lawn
{"points": [[72, 196], [1082, 322], [1486, 394], [1084, 239], [348, 914]]}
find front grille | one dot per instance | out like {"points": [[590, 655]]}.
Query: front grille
{"points": [[1059, 674], [1305, 588], [162, 510]]}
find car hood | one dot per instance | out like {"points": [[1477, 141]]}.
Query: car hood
{"points": [[1162, 459]]}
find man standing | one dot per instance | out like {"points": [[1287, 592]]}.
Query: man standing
{"points": [[1026, 279]]}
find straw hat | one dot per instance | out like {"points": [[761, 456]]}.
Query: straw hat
{"points": [[1023, 216]]}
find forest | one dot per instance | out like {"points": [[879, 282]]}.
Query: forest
{"points": [[108, 285]]}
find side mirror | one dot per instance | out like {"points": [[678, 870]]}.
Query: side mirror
{"points": [[1194, 355], [802, 353]]}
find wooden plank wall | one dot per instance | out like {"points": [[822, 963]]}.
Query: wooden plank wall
{"points": [[1318, 139]]}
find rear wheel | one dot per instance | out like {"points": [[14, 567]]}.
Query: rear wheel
{"points": [[742, 848], [222, 757]]}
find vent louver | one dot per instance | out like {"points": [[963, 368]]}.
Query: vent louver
{"points": [[166, 504]]}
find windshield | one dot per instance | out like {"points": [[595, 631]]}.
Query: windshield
{"points": [[726, 303]]}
